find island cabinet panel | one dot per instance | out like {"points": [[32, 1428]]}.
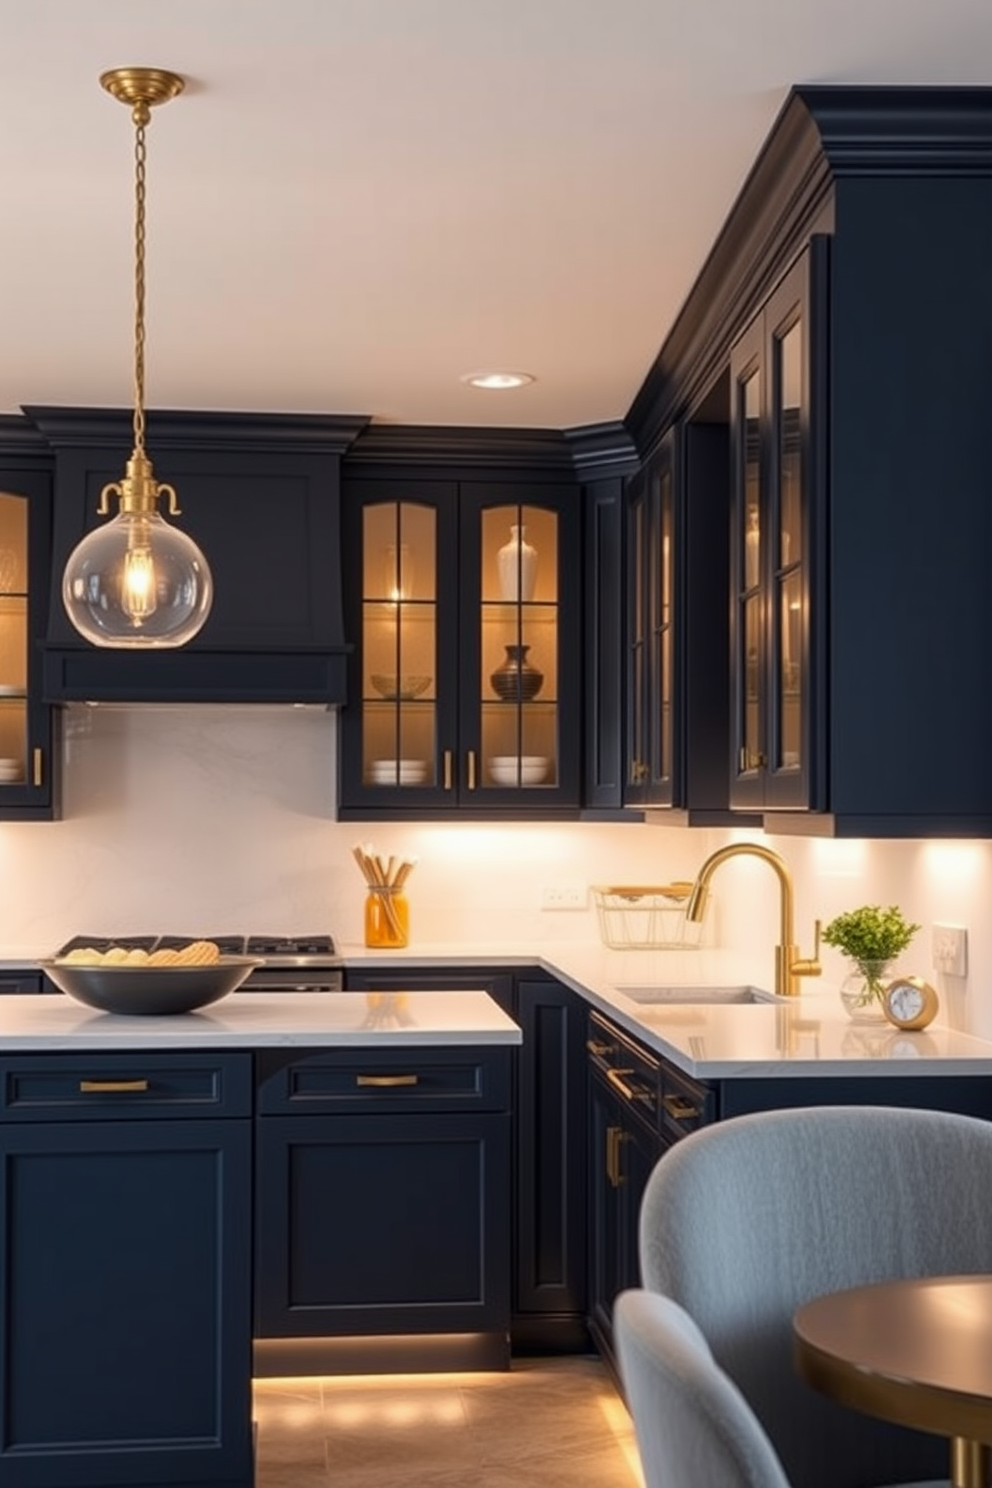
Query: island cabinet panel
{"points": [[384, 1212], [125, 1320], [549, 1170]]}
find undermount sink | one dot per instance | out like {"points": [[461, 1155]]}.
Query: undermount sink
{"points": [[696, 994]]}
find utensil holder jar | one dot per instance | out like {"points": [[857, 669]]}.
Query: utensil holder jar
{"points": [[387, 918]]}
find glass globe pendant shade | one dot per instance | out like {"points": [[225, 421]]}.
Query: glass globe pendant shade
{"points": [[137, 582]]}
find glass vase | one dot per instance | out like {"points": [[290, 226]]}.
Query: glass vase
{"points": [[861, 990], [387, 917]]}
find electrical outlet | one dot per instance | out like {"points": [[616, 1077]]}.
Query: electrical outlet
{"points": [[564, 896], [950, 950]]}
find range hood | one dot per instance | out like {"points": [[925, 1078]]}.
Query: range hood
{"points": [[260, 494]]}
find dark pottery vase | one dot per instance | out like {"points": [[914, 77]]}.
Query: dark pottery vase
{"points": [[516, 681]]}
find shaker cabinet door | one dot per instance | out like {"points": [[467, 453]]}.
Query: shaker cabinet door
{"points": [[125, 1313]]}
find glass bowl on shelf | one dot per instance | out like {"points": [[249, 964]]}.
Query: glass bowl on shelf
{"points": [[402, 688]]}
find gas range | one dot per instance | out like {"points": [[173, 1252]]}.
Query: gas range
{"points": [[300, 963]]}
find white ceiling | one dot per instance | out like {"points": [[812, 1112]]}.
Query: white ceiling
{"points": [[356, 201]]}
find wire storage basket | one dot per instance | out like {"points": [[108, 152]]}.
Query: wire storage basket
{"points": [[646, 918]]}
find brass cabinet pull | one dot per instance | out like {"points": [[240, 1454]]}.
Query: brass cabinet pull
{"points": [[615, 1137], [447, 769], [616, 1079], [90, 1087], [386, 1079], [37, 767], [600, 1050], [678, 1107], [612, 1132], [471, 769]]}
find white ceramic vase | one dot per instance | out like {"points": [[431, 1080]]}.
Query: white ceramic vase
{"points": [[516, 564]]}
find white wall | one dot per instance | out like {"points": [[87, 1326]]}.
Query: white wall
{"points": [[205, 820]]}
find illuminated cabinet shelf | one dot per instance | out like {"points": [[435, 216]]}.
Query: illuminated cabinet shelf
{"points": [[28, 737], [461, 599]]}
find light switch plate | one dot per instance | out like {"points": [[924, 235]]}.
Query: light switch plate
{"points": [[950, 950]]}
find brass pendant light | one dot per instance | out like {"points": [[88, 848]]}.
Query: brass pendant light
{"points": [[137, 582]]}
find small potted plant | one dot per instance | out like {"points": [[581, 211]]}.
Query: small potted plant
{"points": [[871, 937]]}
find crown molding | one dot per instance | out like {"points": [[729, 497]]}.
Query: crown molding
{"points": [[823, 135], [91, 428]]}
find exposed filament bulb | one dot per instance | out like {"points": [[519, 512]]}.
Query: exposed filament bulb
{"points": [[138, 584]]}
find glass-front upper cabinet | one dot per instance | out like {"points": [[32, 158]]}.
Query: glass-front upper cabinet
{"points": [[468, 648], [518, 715], [26, 726], [399, 644], [776, 382], [650, 631]]}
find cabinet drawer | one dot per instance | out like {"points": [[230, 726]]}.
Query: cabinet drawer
{"points": [[102, 1087], [385, 1080], [686, 1105], [629, 1070]]}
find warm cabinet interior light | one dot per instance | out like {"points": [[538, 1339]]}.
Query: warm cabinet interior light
{"points": [[497, 381], [136, 581]]}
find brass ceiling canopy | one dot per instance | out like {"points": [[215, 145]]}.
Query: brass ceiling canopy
{"points": [[142, 86], [136, 582]]}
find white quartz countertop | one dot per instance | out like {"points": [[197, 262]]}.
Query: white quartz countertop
{"points": [[808, 1035], [255, 1020]]}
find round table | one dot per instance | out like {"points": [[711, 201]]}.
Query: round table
{"points": [[916, 1352]]}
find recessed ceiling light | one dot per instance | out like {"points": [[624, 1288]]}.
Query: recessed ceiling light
{"points": [[497, 381]]}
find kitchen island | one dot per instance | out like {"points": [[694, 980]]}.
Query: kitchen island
{"points": [[357, 1147]]}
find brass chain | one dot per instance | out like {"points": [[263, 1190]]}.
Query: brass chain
{"points": [[140, 116]]}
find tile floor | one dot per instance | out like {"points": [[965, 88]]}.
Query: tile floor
{"points": [[546, 1423]]}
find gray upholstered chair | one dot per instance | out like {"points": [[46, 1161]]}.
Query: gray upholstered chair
{"points": [[694, 1428], [745, 1220]]}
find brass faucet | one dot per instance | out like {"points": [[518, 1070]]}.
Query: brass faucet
{"points": [[789, 966]]}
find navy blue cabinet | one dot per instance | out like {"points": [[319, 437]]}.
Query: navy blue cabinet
{"points": [[549, 1143], [29, 728], [462, 597], [260, 495], [383, 1213], [778, 624], [125, 1327], [625, 1141], [653, 659], [549, 1290]]}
